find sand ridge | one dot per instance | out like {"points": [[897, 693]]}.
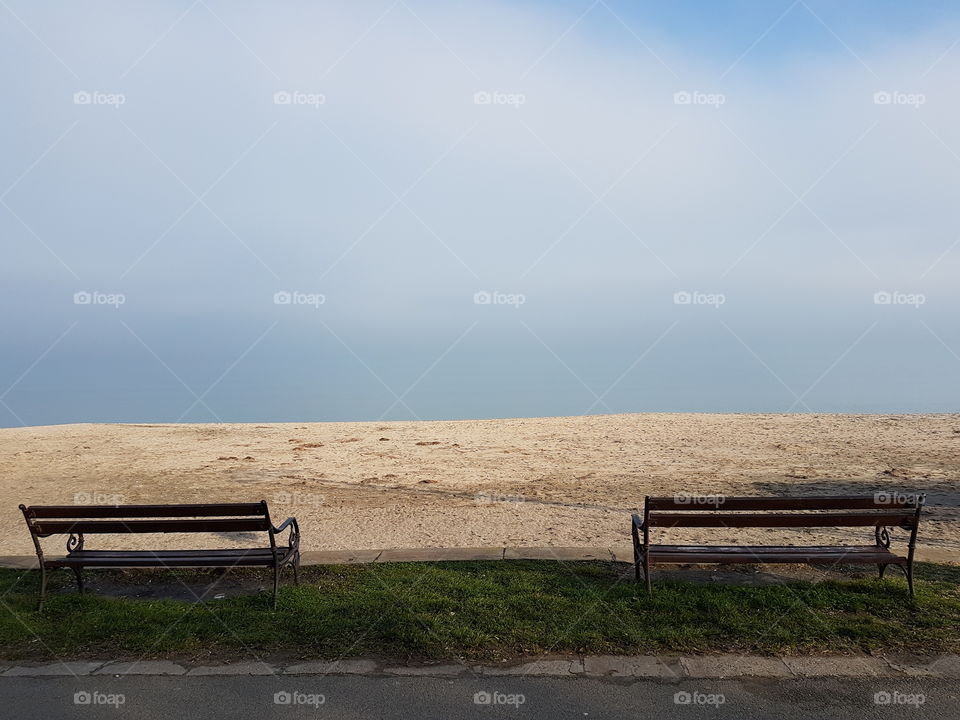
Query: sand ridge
{"points": [[569, 481]]}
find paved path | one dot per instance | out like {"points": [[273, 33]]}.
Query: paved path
{"points": [[415, 698]]}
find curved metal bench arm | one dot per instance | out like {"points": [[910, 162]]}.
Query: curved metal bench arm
{"points": [[293, 540], [292, 556]]}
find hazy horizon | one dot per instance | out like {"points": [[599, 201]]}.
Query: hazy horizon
{"points": [[229, 212]]}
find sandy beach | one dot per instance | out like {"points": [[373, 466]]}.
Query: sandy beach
{"points": [[569, 481]]}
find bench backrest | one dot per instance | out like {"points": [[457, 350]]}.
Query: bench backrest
{"points": [[883, 509], [46, 520]]}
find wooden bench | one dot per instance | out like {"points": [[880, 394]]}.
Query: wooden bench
{"points": [[77, 521], [882, 511]]}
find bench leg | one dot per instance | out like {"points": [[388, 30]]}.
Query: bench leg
{"points": [[276, 584], [76, 571], [646, 575], [43, 587], [882, 568], [296, 568], [908, 573]]}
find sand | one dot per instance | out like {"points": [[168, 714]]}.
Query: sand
{"points": [[569, 481]]}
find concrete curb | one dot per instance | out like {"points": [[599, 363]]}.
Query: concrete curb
{"points": [[619, 553], [592, 666], [395, 555]]}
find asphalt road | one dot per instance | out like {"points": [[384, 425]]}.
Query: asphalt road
{"points": [[342, 697]]}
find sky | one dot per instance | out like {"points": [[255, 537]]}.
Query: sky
{"points": [[221, 211]]}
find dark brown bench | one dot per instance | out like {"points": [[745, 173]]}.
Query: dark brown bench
{"points": [[77, 521], [882, 511]]}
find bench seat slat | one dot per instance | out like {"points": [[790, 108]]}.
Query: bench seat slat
{"points": [[889, 501], [891, 518], [772, 553], [164, 553], [142, 511], [168, 558], [63, 527], [772, 548], [767, 554]]}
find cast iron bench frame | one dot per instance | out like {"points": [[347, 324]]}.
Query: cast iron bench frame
{"points": [[76, 521], [881, 511]]}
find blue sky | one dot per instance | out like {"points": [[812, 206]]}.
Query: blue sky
{"points": [[220, 211]]}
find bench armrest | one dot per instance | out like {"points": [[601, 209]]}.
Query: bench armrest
{"points": [[637, 533], [293, 540], [289, 522]]}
